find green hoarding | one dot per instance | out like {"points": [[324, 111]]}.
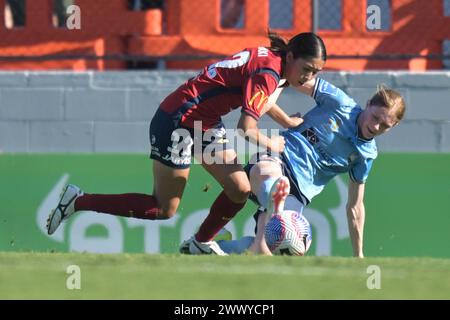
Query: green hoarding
{"points": [[407, 207]]}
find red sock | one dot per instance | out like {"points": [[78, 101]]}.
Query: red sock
{"points": [[134, 205], [222, 211]]}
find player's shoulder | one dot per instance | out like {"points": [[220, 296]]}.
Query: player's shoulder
{"points": [[264, 58], [368, 149], [326, 92]]}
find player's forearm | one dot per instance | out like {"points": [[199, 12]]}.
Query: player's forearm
{"points": [[356, 217], [255, 136], [248, 128], [279, 116]]}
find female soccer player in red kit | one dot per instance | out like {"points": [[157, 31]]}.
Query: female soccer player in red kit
{"points": [[245, 80]]}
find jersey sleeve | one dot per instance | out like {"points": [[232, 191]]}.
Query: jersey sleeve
{"points": [[330, 96], [257, 91], [360, 171]]}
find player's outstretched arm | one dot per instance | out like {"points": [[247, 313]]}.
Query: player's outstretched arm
{"points": [[279, 116], [248, 127], [356, 216]]}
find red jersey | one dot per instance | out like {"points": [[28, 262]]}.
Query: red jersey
{"points": [[245, 80]]}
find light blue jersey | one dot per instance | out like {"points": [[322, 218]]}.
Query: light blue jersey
{"points": [[327, 142]]}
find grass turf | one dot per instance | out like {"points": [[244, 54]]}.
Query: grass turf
{"points": [[26, 275]]}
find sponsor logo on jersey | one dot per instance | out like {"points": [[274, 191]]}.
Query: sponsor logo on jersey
{"points": [[311, 136], [352, 157], [263, 52], [258, 101], [334, 124], [328, 88]]}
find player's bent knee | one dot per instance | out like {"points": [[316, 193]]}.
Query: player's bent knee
{"points": [[240, 193], [265, 169], [168, 210], [167, 213]]}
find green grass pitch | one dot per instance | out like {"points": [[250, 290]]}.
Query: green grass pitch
{"points": [[26, 275]]}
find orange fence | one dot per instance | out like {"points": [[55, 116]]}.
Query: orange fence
{"points": [[191, 29], [106, 26]]}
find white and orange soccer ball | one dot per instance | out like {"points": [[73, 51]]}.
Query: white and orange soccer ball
{"points": [[288, 232]]}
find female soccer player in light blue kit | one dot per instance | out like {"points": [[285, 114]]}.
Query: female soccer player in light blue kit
{"points": [[337, 136]]}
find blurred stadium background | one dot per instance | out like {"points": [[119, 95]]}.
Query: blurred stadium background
{"points": [[181, 34], [79, 85]]}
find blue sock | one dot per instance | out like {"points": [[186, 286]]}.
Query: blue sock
{"points": [[263, 194], [236, 246]]}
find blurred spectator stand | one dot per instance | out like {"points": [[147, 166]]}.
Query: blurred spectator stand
{"points": [[188, 34]]}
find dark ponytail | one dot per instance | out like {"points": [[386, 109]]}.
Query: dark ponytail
{"points": [[305, 45], [277, 43]]}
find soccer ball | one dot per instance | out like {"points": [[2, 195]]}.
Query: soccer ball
{"points": [[288, 233]]}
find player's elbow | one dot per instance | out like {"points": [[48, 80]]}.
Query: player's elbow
{"points": [[247, 123], [352, 210], [355, 211]]}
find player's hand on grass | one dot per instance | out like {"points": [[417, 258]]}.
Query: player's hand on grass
{"points": [[259, 249]]}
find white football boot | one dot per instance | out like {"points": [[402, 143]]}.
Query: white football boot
{"points": [[65, 207], [192, 246], [278, 194]]}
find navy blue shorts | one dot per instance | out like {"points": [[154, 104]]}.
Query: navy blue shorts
{"points": [[173, 145]]}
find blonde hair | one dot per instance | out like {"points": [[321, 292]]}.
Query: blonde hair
{"points": [[388, 98]]}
